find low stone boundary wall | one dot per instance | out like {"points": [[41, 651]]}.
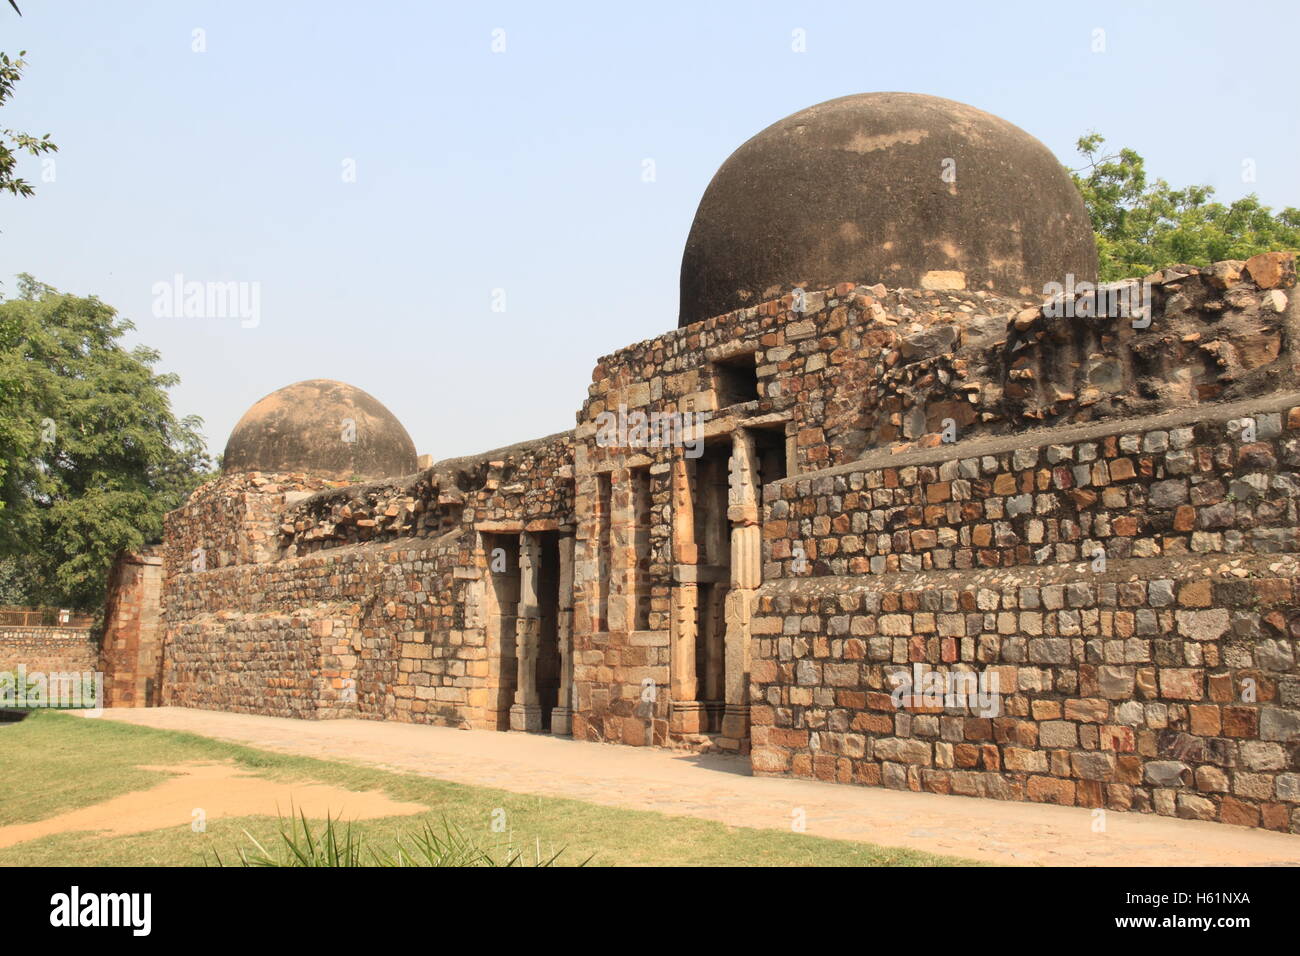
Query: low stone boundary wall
{"points": [[49, 649]]}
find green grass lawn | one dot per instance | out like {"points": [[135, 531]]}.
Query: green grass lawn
{"points": [[54, 763]]}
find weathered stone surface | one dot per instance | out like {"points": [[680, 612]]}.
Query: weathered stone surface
{"points": [[1058, 733], [1167, 773], [1277, 723], [826, 165], [1288, 787], [1093, 766], [1203, 625], [1269, 270]]}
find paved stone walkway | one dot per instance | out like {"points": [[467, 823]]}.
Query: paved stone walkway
{"points": [[721, 788]]}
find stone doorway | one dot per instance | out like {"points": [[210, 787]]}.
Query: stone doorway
{"points": [[717, 550], [713, 572], [543, 635], [501, 555]]}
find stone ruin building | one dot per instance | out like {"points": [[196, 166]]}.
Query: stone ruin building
{"points": [[893, 459]]}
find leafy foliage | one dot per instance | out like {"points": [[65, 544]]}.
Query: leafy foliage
{"points": [[15, 583], [1143, 226], [91, 455], [13, 142]]}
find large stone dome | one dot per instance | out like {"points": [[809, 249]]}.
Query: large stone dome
{"points": [[323, 428], [909, 190]]}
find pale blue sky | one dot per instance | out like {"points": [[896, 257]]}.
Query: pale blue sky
{"points": [[522, 170]]}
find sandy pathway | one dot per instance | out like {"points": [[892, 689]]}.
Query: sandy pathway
{"points": [[200, 791]]}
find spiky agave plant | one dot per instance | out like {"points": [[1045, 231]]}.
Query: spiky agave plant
{"points": [[337, 845], [300, 845]]}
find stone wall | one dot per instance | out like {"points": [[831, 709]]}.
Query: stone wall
{"points": [[860, 368], [350, 632], [532, 480], [1218, 485], [49, 649], [844, 372], [361, 600], [1223, 333], [233, 520], [276, 664], [1130, 586]]}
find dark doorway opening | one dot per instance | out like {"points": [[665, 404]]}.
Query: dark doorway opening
{"points": [[735, 379], [548, 610], [641, 507], [770, 449], [604, 498]]}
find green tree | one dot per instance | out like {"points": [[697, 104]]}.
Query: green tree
{"points": [[1142, 225], [91, 455], [15, 586]]}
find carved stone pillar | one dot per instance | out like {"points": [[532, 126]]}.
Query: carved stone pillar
{"points": [[687, 715], [562, 715], [746, 576], [526, 713]]}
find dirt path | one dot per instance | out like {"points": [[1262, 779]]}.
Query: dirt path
{"points": [[720, 788], [215, 790]]}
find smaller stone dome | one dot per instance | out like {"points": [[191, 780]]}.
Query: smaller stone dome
{"points": [[323, 428]]}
